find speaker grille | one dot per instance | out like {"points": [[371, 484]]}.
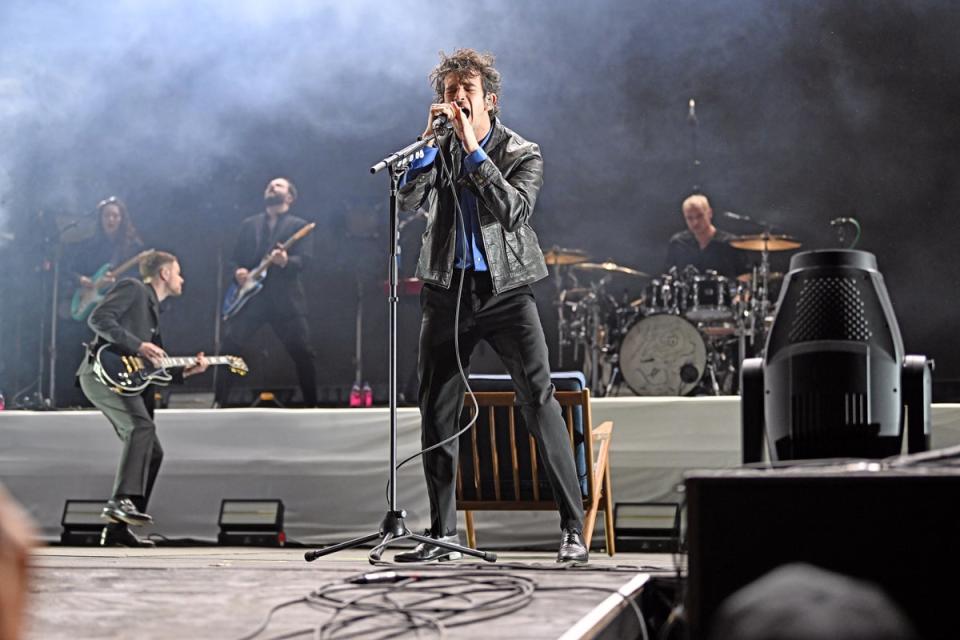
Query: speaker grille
{"points": [[830, 308]]}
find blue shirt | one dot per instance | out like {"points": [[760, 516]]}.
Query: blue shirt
{"points": [[476, 255]]}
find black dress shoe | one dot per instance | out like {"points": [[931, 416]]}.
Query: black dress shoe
{"points": [[425, 552], [572, 548], [122, 510], [119, 535]]}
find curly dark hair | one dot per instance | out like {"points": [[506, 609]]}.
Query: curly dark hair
{"points": [[466, 63]]}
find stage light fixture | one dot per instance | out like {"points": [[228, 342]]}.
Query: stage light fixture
{"points": [[647, 527], [81, 523], [834, 381], [251, 523]]}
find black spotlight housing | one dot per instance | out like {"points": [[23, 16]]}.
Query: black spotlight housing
{"points": [[834, 379]]}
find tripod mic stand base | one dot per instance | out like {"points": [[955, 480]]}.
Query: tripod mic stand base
{"points": [[392, 528]]}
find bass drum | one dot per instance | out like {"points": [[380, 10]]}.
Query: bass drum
{"points": [[663, 355]]}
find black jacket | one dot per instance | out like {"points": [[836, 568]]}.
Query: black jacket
{"points": [[283, 288], [127, 316], [719, 255], [506, 187]]}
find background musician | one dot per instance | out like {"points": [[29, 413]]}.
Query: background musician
{"points": [[282, 303], [702, 245], [114, 241]]}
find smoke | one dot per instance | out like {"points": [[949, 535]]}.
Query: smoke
{"points": [[806, 110]]}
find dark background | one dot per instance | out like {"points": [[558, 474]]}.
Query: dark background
{"points": [[808, 110]]}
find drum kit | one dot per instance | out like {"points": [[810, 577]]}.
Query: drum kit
{"points": [[684, 335]]}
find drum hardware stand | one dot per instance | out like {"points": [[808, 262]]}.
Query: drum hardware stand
{"points": [[561, 325], [50, 401], [359, 396], [393, 527]]}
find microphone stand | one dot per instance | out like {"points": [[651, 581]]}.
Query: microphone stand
{"points": [[392, 527], [50, 402], [694, 129]]}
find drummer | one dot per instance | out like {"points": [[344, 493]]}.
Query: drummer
{"points": [[702, 245]]}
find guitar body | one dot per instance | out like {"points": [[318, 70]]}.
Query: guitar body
{"points": [[84, 300], [125, 374], [128, 375], [238, 296]]}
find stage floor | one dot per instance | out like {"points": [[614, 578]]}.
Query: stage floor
{"points": [[223, 592]]}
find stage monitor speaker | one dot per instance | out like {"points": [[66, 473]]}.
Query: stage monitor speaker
{"points": [[647, 527], [81, 523], [251, 523], [898, 529]]}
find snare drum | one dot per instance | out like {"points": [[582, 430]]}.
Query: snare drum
{"points": [[711, 298]]}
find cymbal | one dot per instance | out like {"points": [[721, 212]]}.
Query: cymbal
{"points": [[558, 256], [610, 267], [761, 242], [771, 277]]}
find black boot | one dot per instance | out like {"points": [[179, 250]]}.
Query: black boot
{"points": [[428, 552], [122, 510], [119, 535], [572, 548]]}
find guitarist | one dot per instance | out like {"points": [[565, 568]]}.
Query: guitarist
{"points": [[115, 240], [282, 303], [129, 316]]}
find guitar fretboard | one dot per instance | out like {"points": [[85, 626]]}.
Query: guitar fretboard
{"points": [[189, 361]]}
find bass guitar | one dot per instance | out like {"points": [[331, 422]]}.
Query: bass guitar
{"points": [[239, 295], [128, 375], [86, 298]]}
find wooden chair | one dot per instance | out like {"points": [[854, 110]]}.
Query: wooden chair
{"points": [[499, 462]]}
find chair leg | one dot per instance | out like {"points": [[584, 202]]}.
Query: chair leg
{"points": [[471, 532], [589, 523], [608, 513]]}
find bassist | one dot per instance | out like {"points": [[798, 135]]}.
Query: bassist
{"points": [[282, 303], [129, 317]]}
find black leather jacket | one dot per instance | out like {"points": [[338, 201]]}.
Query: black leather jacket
{"points": [[506, 186]]}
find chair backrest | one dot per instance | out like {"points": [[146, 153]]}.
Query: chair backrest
{"points": [[499, 462]]}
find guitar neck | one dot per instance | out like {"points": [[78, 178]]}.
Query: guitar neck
{"points": [[285, 246], [189, 361], [124, 267]]}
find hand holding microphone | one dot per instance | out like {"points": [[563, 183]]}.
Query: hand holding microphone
{"points": [[451, 115]]}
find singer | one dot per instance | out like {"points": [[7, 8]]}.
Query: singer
{"points": [[702, 245], [490, 177]]}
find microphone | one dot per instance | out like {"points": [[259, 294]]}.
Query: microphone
{"points": [[839, 221], [737, 216], [441, 123]]}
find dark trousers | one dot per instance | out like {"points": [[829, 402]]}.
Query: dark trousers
{"points": [[293, 332], [132, 419], [509, 322]]}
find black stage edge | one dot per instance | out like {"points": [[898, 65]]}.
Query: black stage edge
{"points": [[898, 529]]}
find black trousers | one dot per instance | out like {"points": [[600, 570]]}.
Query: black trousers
{"points": [[509, 322], [132, 419], [292, 330]]}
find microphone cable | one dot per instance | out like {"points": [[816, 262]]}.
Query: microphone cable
{"points": [[462, 233]]}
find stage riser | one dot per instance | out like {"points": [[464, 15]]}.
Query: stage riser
{"points": [[330, 465]]}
